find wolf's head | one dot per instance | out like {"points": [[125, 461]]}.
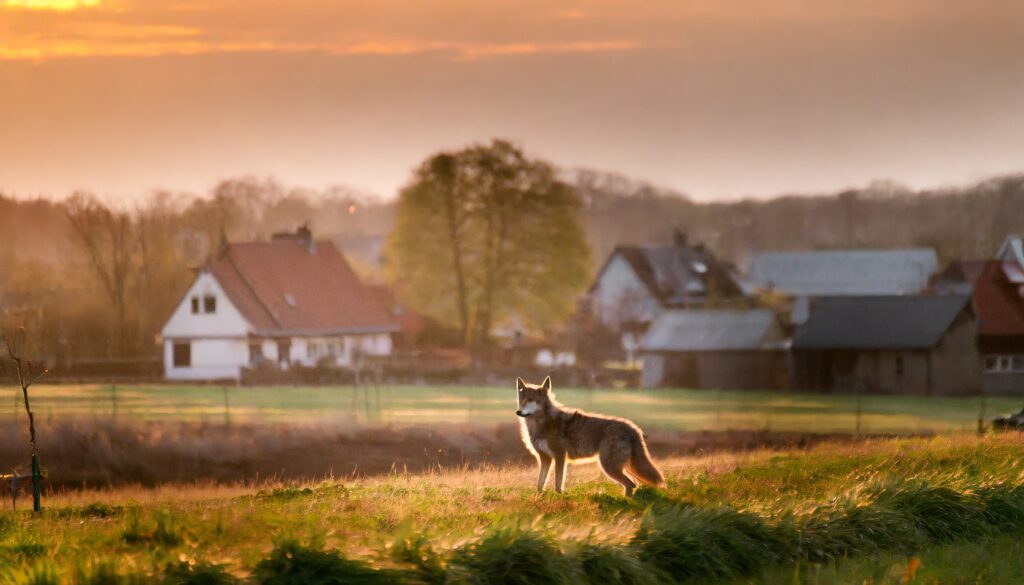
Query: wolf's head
{"points": [[533, 398]]}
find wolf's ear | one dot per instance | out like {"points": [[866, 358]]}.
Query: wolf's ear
{"points": [[546, 385], [520, 385]]}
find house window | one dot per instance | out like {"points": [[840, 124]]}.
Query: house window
{"points": [[256, 353], [195, 305], [1004, 364], [182, 357], [209, 304]]}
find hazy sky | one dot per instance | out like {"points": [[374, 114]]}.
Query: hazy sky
{"points": [[715, 98]]}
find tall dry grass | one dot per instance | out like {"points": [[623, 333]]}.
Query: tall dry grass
{"points": [[87, 452]]}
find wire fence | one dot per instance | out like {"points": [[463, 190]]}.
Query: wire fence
{"points": [[670, 410]]}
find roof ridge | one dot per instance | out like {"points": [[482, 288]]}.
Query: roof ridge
{"points": [[252, 289]]}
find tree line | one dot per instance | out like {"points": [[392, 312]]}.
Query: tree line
{"points": [[96, 279]]}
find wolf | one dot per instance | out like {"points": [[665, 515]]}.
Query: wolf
{"points": [[554, 433]]}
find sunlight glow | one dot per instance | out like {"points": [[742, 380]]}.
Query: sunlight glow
{"points": [[50, 4]]}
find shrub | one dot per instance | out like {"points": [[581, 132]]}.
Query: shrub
{"points": [[293, 563], [511, 556]]}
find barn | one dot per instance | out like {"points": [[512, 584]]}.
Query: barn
{"points": [[923, 345], [718, 349]]}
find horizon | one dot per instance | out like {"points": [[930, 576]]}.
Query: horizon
{"points": [[315, 193], [717, 102]]}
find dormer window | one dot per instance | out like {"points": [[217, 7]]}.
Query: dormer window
{"points": [[209, 304]]}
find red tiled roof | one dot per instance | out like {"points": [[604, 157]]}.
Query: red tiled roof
{"points": [[998, 304], [282, 286], [409, 321]]}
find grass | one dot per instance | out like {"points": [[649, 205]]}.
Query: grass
{"points": [[686, 410], [866, 512]]}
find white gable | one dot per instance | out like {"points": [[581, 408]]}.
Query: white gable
{"points": [[225, 321], [619, 295]]}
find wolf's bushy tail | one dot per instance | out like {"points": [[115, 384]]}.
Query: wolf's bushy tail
{"points": [[641, 466]]}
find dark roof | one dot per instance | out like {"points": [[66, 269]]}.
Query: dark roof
{"points": [[685, 330], [879, 322], [998, 303], [285, 286], [844, 272], [677, 275]]}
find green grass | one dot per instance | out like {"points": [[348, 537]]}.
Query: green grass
{"points": [[840, 513], [685, 410]]}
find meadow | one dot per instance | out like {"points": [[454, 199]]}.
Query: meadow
{"points": [[945, 509], [675, 410], [207, 484]]}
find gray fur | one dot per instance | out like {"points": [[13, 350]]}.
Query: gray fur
{"points": [[556, 434]]}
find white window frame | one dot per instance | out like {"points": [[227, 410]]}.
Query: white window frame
{"points": [[1003, 364]]}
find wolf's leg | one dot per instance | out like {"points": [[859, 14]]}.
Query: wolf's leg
{"points": [[559, 472], [545, 465], [613, 469]]}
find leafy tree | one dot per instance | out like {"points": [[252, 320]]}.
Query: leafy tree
{"points": [[486, 234]]}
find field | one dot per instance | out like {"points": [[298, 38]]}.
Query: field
{"points": [[204, 484], [944, 509], [681, 410]]}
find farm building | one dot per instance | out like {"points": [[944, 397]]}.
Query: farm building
{"points": [[999, 306], [637, 284], [288, 301], [714, 349], [888, 344]]}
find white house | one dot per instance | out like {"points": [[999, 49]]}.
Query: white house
{"points": [[637, 284], [288, 301]]}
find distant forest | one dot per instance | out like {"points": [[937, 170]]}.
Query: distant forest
{"points": [[94, 280]]}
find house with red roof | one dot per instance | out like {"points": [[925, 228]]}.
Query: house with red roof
{"points": [[290, 301], [999, 308]]}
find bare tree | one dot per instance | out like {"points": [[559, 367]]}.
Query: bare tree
{"points": [[108, 242], [28, 373]]}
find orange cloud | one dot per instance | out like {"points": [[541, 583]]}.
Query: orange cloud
{"points": [[50, 4]]}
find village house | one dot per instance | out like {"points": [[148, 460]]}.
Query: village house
{"points": [[719, 349], [800, 276], [924, 345], [289, 301], [999, 307], [637, 284]]}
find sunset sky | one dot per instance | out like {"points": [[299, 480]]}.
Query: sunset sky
{"points": [[718, 99]]}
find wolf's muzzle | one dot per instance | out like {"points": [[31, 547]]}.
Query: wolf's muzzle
{"points": [[521, 413]]}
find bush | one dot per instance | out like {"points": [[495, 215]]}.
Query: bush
{"points": [[293, 563], [511, 556]]}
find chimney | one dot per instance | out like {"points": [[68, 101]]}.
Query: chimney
{"points": [[679, 238], [302, 236]]}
